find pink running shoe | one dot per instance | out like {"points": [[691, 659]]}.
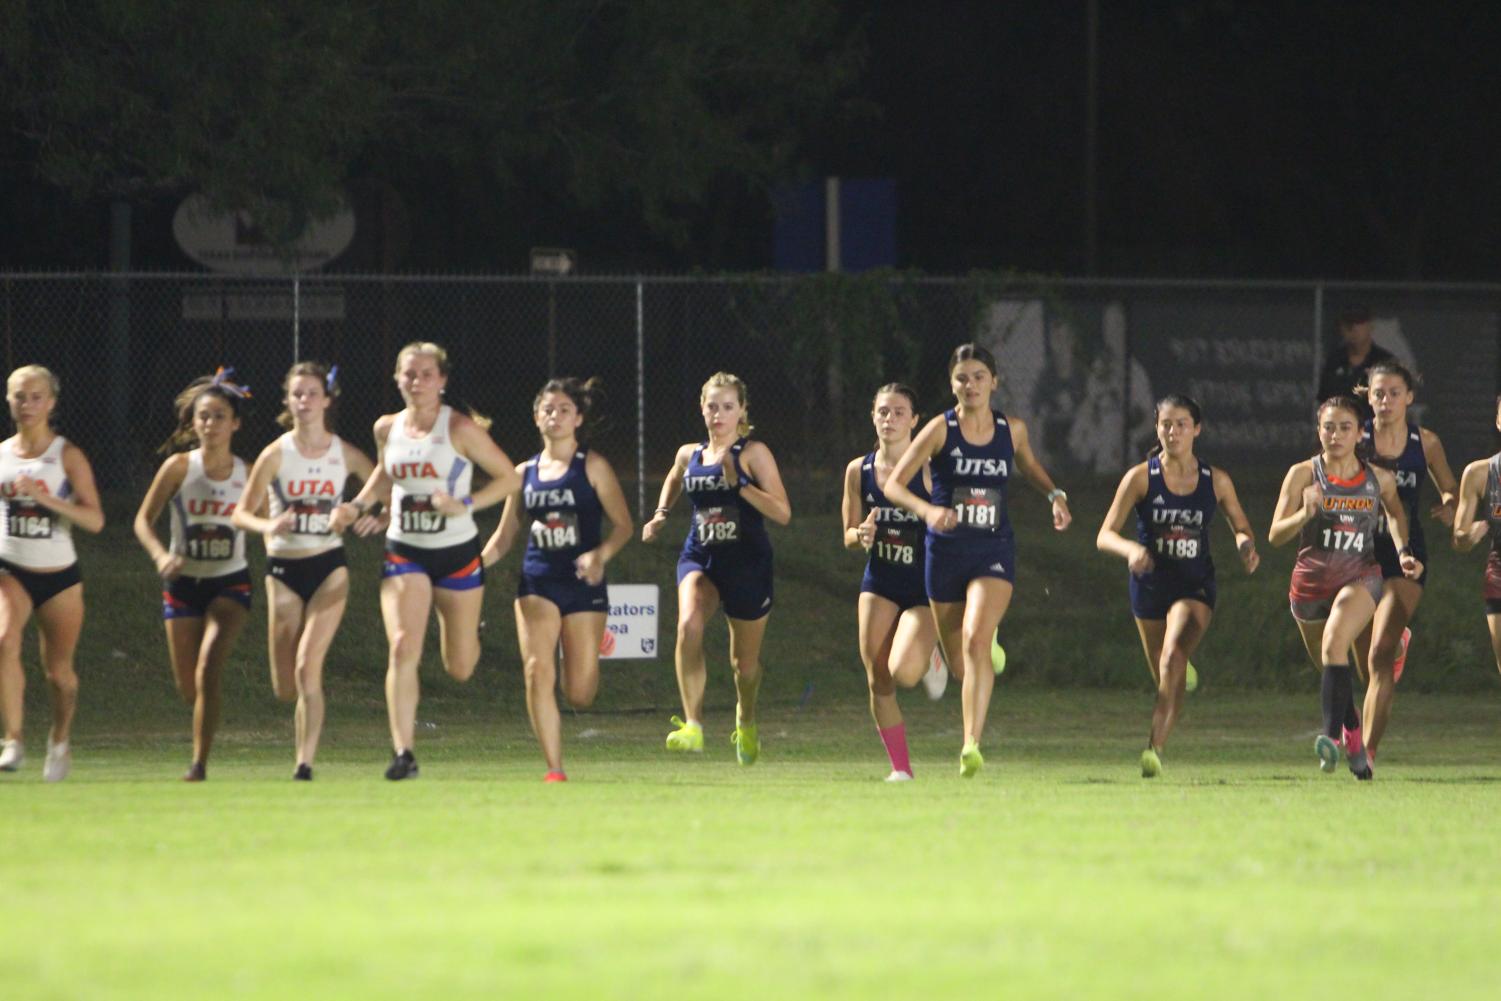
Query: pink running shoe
{"points": [[1401, 661], [554, 777]]}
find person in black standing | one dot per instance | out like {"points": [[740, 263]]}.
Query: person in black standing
{"points": [[1345, 366]]}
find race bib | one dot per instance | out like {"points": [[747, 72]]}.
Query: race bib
{"points": [[979, 508], [896, 544], [310, 517], [418, 516], [1179, 543], [210, 542], [25, 520], [717, 526], [555, 531], [1343, 539]]}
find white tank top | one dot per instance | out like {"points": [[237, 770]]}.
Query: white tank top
{"points": [[310, 488], [201, 531], [418, 467], [31, 535]]}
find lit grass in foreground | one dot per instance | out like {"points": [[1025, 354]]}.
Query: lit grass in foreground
{"points": [[1056, 873]]}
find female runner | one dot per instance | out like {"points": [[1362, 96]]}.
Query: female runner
{"points": [[46, 487], [206, 582], [1175, 495], [1412, 454], [427, 454], [1333, 504], [896, 627], [733, 485], [297, 480], [1479, 515], [567, 490], [971, 559]]}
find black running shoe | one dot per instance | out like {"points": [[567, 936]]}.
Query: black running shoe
{"points": [[403, 766], [304, 773], [197, 772]]}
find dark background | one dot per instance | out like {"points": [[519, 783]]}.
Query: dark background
{"points": [[1271, 139]]}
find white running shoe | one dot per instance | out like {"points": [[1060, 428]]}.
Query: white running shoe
{"points": [[899, 776], [59, 762], [11, 755], [937, 677]]}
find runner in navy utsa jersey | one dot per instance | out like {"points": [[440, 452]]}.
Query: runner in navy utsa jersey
{"points": [[897, 634], [1175, 495], [46, 488], [971, 560], [567, 492], [205, 579], [734, 486], [1413, 454], [296, 483], [1333, 505], [1479, 515], [427, 454]]}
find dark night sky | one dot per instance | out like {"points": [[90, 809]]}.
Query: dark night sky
{"points": [[1275, 140]]}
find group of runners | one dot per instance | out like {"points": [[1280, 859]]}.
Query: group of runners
{"points": [[929, 505]]}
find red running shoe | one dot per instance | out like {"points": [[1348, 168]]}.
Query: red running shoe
{"points": [[555, 777]]}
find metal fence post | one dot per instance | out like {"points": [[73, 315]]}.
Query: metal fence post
{"points": [[1318, 329], [640, 401]]}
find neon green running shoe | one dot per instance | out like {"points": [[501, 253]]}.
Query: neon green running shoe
{"points": [[1151, 764], [997, 654], [970, 759], [1191, 681], [687, 737], [747, 743]]}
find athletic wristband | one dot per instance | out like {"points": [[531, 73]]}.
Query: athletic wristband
{"points": [[1405, 551], [469, 502], [660, 510], [1057, 494]]}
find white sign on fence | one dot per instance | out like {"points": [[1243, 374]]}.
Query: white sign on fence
{"points": [[631, 629]]}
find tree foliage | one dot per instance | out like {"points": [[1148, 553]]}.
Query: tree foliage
{"points": [[273, 106]]}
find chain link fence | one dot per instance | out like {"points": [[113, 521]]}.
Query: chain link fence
{"points": [[1083, 361]]}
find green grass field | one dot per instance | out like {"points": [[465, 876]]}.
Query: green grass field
{"points": [[1058, 873]]}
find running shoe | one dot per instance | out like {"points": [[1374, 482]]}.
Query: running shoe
{"points": [[304, 773], [1191, 679], [1328, 752], [1360, 766], [1401, 661], [59, 762], [897, 775], [1151, 764], [970, 759], [197, 772], [11, 755], [937, 677], [554, 777], [997, 654], [687, 737], [747, 743], [402, 766]]}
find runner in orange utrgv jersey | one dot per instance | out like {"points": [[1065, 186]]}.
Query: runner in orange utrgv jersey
{"points": [[1333, 505]]}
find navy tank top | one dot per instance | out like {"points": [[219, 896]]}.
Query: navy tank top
{"points": [[1410, 469], [900, 543], [972, 480], [1175, 527], [563, 515], [723, 523]]}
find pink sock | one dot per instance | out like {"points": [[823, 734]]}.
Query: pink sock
{"points": [[1353, 741], [895, 739]]}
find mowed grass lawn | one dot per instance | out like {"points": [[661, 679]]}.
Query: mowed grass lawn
{"points": [[1057, 873]]}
